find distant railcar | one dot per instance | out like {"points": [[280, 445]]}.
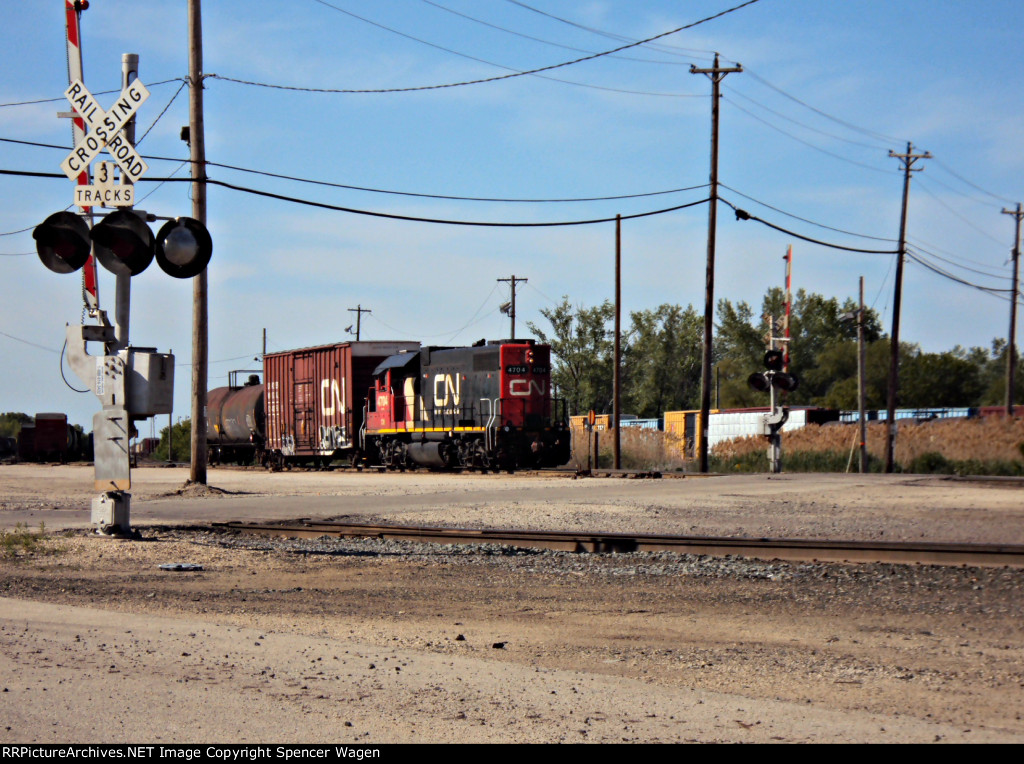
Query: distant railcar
{"points": [[235, 423], [47, 438]]}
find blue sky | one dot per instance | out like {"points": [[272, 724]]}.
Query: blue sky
{"points": [[828, 89]]}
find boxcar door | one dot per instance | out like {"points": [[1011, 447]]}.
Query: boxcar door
{"points": [[304, 400]]}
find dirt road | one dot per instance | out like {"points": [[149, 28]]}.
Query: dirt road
{"points": [[370, 641]]}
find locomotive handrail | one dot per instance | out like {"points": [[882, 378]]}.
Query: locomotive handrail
{"points": [[491, 416]]}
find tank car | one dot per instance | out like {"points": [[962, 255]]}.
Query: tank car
{"points": [[488, 406], [235, 422]]}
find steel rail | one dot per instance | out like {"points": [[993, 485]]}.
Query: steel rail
{"points": [[818, 550]]}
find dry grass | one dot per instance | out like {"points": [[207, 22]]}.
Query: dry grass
{"points": [[992, 439], [640, 450]]}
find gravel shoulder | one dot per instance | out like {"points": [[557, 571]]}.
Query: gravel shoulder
{"points": [[372, 641]]}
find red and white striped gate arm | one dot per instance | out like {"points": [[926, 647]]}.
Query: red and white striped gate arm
{"points": [[90, 282], [789, 303]]}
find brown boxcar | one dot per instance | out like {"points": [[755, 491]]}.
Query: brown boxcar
{"points": [[313, 397], [46, 439]]}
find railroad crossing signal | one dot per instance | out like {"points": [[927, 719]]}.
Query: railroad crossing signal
{"points": [[104, 133], [125, 245], [774, 376]]}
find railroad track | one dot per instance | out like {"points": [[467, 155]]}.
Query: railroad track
{"points": [[821, 550]]}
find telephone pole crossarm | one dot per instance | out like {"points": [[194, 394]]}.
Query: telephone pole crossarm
{"points": [[359, 310]]}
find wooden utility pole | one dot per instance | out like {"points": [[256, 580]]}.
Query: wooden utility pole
{"points": [[861, 382], [1011, 351], [359, 310], [200, 328], [908, 160], [616, 380], [716, 74], [510, 307]]}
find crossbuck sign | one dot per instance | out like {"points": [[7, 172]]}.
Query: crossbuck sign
{"points": [[105, 132]]}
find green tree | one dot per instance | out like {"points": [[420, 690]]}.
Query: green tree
{"points": [[939, 379], [583, 346], [181, 442], [11, 422], [822, 346], [993, 373], [661, 361], [738, 349]]}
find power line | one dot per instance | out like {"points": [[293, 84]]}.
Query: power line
{"points": [[20, 230], [444, 197], [972, 185], [498, 78], [26, 342], [958, 265], [417, 219], [472, 321], [156, 188], [780, 115], [986, 234], [481, 60], [744, 215], [961, 192], [917, 258], [805, 143], [671, 49], [856, 128], [543, 41], [805, 220], [158, 116], [447, 197], [388, 215], [98, 92]]}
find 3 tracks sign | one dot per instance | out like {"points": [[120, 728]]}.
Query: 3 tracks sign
{"points": [[105, 132]]}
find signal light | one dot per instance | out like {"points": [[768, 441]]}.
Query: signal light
{"points": [[183, 247], [62, 241], [759, 381], [124, 243], [785, 382], [773, 360]]}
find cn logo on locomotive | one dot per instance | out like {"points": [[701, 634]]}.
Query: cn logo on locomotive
{"points": [[449, 390], [526, 387]]}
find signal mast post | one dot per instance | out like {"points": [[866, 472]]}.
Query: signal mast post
{"points": [[131, 383], [125, 379], [767, 382], [778, 415]]}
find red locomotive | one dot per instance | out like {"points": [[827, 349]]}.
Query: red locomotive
{"points": [[486, 407]]}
